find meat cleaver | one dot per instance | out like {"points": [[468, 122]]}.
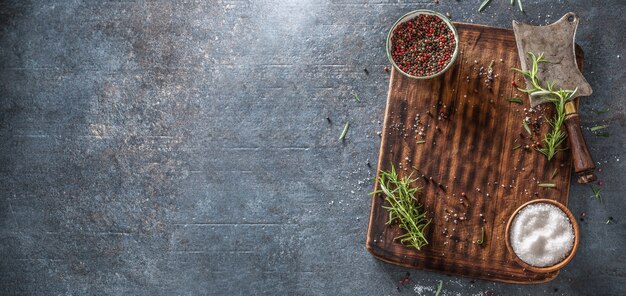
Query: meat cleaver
{"points": [[556, 41]]}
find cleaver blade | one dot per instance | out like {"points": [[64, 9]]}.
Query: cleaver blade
{"points": [[556, 42]]}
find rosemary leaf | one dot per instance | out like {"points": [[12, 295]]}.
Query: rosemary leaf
{"points": [[345, 131], [599, 112], [517, 147], [598, 127], [547, 185], [554, 173], [519, 2], [420, 142], [512, 2], [483, 5], [603, 134], [515, 100], [440, 285], [526, 127], [481, 241], [356, 97]]}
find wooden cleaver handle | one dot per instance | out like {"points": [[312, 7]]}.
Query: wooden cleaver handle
{"points": [[583, 163]]}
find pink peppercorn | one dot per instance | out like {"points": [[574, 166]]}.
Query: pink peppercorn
{"points": [[422, 45]]}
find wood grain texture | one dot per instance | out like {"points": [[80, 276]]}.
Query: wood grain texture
{"points": [[469, 150]]}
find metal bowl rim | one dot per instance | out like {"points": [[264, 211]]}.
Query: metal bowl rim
{"points": [[416, 13]]}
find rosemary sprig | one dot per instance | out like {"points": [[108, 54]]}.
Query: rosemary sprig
{"points": [[481, 241], [404, 207], [596, 193], [515, 100], [555, 137], [345, 131]]}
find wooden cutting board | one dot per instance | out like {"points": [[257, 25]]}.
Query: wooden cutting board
{"points": [[470, 136]]}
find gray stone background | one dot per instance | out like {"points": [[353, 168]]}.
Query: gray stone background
{"points": [[182, 147]]}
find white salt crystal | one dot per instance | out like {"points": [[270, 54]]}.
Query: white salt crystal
{"points": [[542, 235]]}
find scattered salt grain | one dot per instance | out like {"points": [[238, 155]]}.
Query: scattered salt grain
{"points": [[542, 235], [421, 290]]}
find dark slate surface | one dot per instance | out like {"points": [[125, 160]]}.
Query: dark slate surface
{"points": [[165, 148]]}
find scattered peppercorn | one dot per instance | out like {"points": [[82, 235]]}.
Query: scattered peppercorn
{"points": [[386, 69], [422, 46]]}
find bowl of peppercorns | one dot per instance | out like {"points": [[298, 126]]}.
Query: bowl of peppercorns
{"points": [[422, 44]]}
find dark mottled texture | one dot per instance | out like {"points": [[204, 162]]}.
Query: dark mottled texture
{"points": [[155, 147]]}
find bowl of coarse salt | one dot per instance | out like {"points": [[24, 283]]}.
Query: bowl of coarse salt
{"points": [[542, 235]]}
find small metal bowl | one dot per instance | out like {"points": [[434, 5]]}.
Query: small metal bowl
{"points": [[558, 265], [408, 17]]}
